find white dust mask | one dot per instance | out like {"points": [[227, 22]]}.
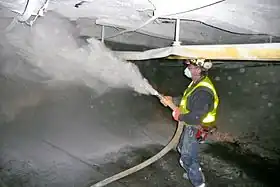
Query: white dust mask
{"points": [[188, 73]]}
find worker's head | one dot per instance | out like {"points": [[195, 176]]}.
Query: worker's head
{"points": [[196, 67]]}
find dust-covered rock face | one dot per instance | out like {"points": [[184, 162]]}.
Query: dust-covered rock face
{"points": [[249, 100], [248, 111], [16, 99]]}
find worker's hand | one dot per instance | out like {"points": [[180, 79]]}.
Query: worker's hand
{"points": [[167, 100], [176, 114]]}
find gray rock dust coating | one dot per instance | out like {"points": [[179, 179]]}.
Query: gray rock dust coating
{"points": [[57, 54]]}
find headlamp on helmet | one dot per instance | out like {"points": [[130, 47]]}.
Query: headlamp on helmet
{"points": [[201, 63]]}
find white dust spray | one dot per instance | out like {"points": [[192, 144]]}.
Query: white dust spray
{"points": [[52, 46]]}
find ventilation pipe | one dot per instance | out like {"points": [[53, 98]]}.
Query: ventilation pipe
{"points": [[244, 52]]}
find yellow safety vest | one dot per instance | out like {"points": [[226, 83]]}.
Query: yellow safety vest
{"points": [[211, 116]]}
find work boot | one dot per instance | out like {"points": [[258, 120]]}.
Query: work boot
{"points": [[196, 177], [186, 176]]}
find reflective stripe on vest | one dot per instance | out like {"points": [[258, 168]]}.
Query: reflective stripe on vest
{"points": [[206, 82]]}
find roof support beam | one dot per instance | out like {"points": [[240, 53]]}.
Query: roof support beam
{"points": [[251, 52]]}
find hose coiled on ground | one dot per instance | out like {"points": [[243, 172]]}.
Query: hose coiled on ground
{"points": [[173, 142]]}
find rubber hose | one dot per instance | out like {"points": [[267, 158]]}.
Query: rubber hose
{"points": [[174, 141]]}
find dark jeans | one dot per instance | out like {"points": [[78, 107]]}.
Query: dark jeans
{"points": [[188, 148]]}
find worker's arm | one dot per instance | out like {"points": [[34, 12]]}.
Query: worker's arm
{"points": [[201, 103]]}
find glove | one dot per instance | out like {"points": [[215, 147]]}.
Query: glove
{"points": [[176, 114]]}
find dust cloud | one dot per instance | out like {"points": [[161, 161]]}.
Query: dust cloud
{"points": [[51, 55], [51, 52]]}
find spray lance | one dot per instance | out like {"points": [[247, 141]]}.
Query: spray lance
{"points": [[161, 97], [154, 92], [172, 143]]}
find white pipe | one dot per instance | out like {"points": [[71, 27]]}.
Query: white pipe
{"points": [[159, 16], [102, 33], [40, 12], [177, 33]]}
